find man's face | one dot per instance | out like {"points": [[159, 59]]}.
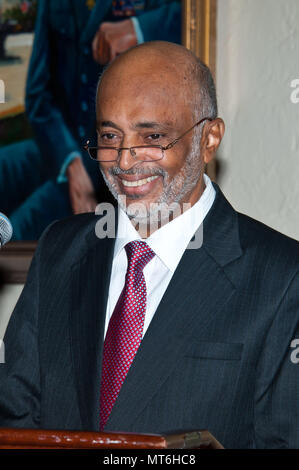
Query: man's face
{"points": [[141, 110]]}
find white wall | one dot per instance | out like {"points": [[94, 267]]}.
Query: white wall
{"points": [[257, 58]]}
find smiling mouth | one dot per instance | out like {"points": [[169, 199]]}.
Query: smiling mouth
{"points": [[139, 182]]}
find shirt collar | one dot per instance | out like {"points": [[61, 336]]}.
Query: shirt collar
{"points": [[170, 241]]}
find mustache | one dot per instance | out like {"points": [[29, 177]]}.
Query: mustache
{"points": [[116, 170]]}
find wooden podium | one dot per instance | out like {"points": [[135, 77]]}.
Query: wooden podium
{"points": [[47, 439]]}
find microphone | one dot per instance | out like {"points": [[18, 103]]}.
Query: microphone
{"points": [[5, 229]]}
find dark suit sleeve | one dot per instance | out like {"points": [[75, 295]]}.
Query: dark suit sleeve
{"points": [[162, 23], [51, 132], [277, 385], [19, 375]]}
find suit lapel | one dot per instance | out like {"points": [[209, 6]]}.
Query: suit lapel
{"points": [[81, 14], [198, 291], [188, 299], [90, 284], [97, 15]]}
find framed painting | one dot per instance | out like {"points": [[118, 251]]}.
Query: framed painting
{"points": [[198, 34]]}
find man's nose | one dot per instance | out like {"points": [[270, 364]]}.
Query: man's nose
{"points": [[126, 160]]}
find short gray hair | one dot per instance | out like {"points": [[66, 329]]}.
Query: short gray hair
{"points": [[205, 101]]}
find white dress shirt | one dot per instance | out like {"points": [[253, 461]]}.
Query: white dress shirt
{"points": [[168, 243]]}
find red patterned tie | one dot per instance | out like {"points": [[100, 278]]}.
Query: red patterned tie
{"points": [[125, 328]]}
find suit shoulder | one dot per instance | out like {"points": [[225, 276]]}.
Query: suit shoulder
{"points": [[70, 227], [267, 241], [66, 238]]}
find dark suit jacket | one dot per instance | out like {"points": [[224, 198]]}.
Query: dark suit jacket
{"points": [[62, 76], [216, 355]]}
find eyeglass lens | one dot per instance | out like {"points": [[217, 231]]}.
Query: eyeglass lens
{"points": [[139, 153]]}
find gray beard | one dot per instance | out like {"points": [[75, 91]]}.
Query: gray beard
{"points": [[173, 193]]}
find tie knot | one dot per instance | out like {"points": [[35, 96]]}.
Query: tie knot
{"points": [[139, 254]]}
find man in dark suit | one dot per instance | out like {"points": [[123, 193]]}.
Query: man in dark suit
{"points": [[49, 177], [147, 332]]}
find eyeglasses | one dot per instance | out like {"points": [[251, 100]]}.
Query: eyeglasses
{"points": [[142, 153]]}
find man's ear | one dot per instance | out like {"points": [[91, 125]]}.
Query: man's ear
{"points": [[212, 136]]}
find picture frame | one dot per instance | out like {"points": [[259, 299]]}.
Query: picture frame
{"points": [[198, 35]]}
